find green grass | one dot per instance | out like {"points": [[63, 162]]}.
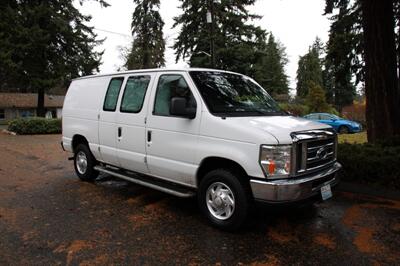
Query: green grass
{"points": [[357, 138]]}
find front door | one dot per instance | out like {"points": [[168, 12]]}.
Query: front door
{"points": [[172, 141], [327, 119]]}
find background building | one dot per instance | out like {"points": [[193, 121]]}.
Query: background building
{"points": [[14, 105]]}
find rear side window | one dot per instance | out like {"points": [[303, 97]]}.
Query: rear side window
{"points": [[170, 86], [135, 91], [110, 103]]}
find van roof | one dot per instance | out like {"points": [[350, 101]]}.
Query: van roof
{"points": [[155, 70]]}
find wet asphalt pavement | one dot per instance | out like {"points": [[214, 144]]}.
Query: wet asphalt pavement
{"points": [[47, 216]]}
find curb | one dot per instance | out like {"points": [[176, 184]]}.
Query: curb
{"points": [[374, 191]]}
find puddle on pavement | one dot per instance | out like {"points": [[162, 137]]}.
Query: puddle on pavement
{"points": [[111, 182]]}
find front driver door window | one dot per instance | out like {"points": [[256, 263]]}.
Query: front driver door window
{"points": [[170, 86]]}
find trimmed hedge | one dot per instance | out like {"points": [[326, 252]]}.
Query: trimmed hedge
{"points": [[36, 125], [295, 109], [299, 109], [371, 163]]}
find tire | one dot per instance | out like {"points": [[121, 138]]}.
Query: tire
{"points": [[231, 188], [85, 171], [344, 130]]}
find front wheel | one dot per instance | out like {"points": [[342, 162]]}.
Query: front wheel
{"points": [[224, 199], [84, 163], [344, 130]]}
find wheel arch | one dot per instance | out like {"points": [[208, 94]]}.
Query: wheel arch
{"points": [[348, 127], [79, 139], [215, 162]]}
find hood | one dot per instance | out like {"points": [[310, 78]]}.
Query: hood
{"points": [[280, 126]]}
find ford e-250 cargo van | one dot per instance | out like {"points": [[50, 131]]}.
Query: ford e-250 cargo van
{"points": [[208, 133]]}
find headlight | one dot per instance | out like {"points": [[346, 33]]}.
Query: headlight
{"points": [[275, 160]]}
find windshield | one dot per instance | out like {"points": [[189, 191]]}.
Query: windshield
{"points": [[229, 94]]}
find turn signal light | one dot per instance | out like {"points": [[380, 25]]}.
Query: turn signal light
{"points": [[271, 167]]}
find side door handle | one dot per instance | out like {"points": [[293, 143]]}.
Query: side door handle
{"points": [[119, 132], [149, 136]]}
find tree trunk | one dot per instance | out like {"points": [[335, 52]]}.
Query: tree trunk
{"points": [[41, 112], [381, 82], [398, 43]]}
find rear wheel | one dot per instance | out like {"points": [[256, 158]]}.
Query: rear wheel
{"points": [[84, 163], [224, 199], [344, 130]]}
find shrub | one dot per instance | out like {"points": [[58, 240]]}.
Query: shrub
{"points": [[31, 126], [356, 112], [371, 163], [295, 109]]}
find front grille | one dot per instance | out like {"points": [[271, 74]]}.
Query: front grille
{"points": [[313, 150]]}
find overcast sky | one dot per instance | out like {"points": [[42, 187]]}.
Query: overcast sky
{"points": [[294, 23]]}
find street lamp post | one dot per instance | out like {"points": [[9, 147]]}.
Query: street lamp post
{"points": [[211, 21]]}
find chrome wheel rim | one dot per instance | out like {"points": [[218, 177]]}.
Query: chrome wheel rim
{"points": [[81, 162], [220, 201]]}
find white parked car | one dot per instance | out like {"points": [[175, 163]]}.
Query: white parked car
{"points": [[204, 132]]}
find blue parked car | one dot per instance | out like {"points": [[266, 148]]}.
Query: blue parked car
{"points": [[341, 125]]}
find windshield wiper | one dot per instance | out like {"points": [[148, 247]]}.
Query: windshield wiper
{"points": [[241, 112], [266, 113], [261, 112]]}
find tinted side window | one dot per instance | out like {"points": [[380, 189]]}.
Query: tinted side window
{"points": [[110, 103], [325, 117], [135, 91], [170, 86]]}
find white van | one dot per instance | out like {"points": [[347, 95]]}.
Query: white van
{"points": [[204, 132]]}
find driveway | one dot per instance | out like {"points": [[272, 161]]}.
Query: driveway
{"points": [[47, 216]]}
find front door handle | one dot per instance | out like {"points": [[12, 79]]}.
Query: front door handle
{"points": [[119, 132]]}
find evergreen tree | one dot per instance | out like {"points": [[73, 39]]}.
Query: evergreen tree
{"points": [[343, 58], [374, 24], [270, 68], [345, 44], [397, 20], [148, 46], [237, 43], [381, 76], [44, 44], [316, 100], [309, 69]]}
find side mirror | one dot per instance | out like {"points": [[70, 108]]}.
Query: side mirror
{"points": [[178, 108]]}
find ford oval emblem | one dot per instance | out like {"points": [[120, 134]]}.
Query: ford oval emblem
{"points": [[322, 153]]}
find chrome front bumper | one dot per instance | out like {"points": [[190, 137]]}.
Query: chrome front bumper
{"points": [[291, 190]]}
